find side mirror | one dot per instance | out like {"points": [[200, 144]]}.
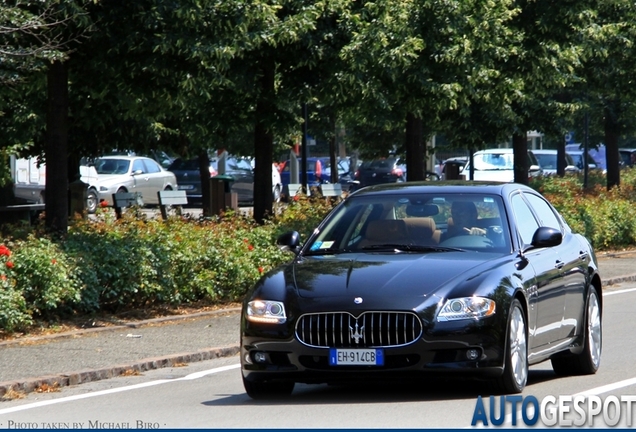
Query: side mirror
{"points": [[546, 237], [289, 241], [534, 168]]}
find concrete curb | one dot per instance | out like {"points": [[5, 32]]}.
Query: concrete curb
{"points": [[80, 377], [618, 279]]}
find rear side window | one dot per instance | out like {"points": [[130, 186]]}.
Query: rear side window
{"points": [[543, 211], [526, 223]]}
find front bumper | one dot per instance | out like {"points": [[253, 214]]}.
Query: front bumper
{"points": [[439, 353]]}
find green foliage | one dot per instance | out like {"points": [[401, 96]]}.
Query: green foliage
{"points": [[45, 276], [605, 217], [110, 265]]}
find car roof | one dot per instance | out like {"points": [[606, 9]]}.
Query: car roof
{"points": [[446, 186], [125, 157], [497, 150]]}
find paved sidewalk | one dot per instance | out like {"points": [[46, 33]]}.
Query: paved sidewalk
{"points": [[100, 353]]}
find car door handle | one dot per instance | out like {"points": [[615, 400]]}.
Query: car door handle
{"points": [[583, 256], [559, 264]]}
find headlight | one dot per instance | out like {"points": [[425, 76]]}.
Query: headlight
{"points": [[466, 308], [266, 311]]}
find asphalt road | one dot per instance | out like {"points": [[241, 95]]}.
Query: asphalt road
{"points": [[209, 394]]}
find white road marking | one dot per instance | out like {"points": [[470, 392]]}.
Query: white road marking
{"points": [[624, 291], [192, 376]]}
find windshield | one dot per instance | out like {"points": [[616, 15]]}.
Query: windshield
{"points": [[414, 223], [494, 161], [112, 166]]}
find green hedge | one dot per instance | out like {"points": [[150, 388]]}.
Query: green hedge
{"points": [[109, 265]]}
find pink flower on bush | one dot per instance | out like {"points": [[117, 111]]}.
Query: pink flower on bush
{"points": [[250, 247], [5, 251], [260, 269], [103, 204], [3, 277], [10, 264], [53, 261]]}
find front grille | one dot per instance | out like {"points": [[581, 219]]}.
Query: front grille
{"points": [[368, 330]]}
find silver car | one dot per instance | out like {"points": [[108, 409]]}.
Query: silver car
{"points": [[132, 174]]}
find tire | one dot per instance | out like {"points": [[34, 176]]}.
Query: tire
{"points": [[92, 201], [589, 360], [277, 194], [515, 374], [268, 389]]}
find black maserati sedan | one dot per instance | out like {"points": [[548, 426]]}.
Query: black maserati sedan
{"points": [[413, 280]]}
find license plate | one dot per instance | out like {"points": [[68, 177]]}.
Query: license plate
{"points": [[186, 187], [365, 357]]}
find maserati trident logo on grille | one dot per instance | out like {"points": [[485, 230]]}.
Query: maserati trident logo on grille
{"points": [[357, 300], [356, 333]]}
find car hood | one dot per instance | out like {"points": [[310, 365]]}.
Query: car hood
{"points": [[386, 276], [111, 179]]}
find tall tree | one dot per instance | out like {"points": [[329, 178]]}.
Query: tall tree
{"points": [[610, 54]]}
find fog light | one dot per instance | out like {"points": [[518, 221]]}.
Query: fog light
{"points": [[472, 354], [248, 359], [259, 357]]}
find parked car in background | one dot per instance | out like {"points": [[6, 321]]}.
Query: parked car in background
{"points": [[315, 171], [498, 165], [547, 159], [160, 156], [627, 157], [597, 154], [382, 170], [240, 169], [405, 281], [132, 174], [189, 178], [277, 184], [457, 161], [577, 157], [385, 170]]}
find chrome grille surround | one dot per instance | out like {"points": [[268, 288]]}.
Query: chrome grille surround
{"points": [[372, 329]]}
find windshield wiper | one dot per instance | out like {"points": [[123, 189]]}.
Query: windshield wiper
{"points": [[411, 248], [327, 252]]}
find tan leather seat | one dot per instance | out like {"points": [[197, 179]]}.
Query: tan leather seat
{"points": [[385, 231], [422, 231]]}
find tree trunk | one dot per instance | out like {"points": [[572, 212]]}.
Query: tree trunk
{"points": [[611, 146], [415, 149], [264, 144], [520, 155], [57, 191]]}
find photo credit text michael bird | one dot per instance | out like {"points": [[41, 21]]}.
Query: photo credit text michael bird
{"points": [[559, 411]]}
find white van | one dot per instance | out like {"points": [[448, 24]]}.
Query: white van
{"points": [[29, 180], [498, 165]]}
